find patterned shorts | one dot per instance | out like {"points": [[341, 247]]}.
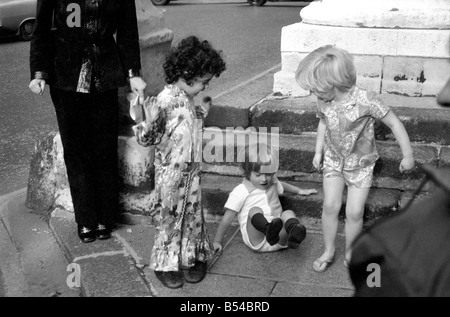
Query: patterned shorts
{"points": [[359, 178]]}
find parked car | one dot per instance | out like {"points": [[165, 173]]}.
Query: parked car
{"points": [[251, 2], [17, 18], [262, 2], [160, 2]]}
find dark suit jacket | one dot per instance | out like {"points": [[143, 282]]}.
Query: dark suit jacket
{"points": [[85, 58], [411, 249]]}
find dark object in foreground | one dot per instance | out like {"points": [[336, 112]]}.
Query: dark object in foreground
{"points": [[407, 254]]}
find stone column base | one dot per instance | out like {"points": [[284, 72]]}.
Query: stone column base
{"points": [[412, 62]]}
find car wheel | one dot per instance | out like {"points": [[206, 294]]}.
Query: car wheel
{"points": [[26, 30], [160, 2], [256, 2]]}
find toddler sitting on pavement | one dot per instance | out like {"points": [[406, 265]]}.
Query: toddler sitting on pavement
{"points": [[264, 226]]}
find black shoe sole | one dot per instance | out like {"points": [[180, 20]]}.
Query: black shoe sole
{"points": [[87, 240], [199, 275], [160, 277], [103, 236], [296, 236], [194, 280]]}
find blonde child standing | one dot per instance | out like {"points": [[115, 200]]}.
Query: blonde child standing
{"points": [[345, 147], [264, 226], [171, 123]]}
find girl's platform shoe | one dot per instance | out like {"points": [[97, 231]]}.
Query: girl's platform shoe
{"points": [[196, 273]]}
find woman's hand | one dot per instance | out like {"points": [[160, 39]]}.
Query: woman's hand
{"points": [[137, 85], [37, 86]]}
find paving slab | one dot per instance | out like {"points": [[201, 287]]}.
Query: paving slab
{"points": [[112, 276], [63, 223], [107, 267], [39, 265], [216, 285], [283, 289], [289, 266]]}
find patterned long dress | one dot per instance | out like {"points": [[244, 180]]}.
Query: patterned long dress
{"points": [[181, 238]]}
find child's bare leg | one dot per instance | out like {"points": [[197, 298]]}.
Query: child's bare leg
{"points": [[258, 227], [293, 233], [333, 189], [354, 212]]}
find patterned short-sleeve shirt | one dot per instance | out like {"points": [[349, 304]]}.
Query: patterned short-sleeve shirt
{"points": [[350, 135]]}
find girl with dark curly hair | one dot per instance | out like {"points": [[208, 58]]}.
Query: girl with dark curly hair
{"points": [[174, 125]]}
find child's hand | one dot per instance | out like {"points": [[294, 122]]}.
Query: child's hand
{"points": [[306, 192], [206, 104], [203, 110], [406, 164], [317, 161], [217, 247], [137, 85]]}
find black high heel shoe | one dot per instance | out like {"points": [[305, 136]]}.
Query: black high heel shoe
{"points": [[86, 234], [102, 232]]}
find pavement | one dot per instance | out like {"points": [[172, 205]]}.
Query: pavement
{"points": [[118, 267]]}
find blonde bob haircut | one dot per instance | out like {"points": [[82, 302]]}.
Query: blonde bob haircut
{"points": [[325, 68]]}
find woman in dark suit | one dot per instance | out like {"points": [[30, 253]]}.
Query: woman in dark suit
{"points": [[84, 50]]}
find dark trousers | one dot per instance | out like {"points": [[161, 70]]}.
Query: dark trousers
{"points": [[88, 124]]}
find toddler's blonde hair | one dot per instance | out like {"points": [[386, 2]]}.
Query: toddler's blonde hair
{"points": [[325, 68]]}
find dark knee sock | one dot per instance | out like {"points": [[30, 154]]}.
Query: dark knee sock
{"points": [[270, 229], [296, 231], [290, 223], [259, 222]]}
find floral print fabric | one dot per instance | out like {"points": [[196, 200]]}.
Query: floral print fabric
{"points": [[181, 237], [350, 135]]}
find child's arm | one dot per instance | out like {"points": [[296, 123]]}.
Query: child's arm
{"points": [[296, 190], [397, 128], [317, 160], [227, 218]]}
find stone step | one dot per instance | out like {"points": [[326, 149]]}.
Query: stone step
{"points": [[296, 152], [423, 121], [48, 186], [380, 203]]}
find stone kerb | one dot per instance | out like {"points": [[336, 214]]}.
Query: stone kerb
{"points": [[400, 47]]}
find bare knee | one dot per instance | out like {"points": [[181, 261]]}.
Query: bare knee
{"points": [[253, 211], [354, 214], [331, 207], [287, 214]]}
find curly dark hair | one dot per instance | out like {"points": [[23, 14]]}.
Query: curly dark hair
{"points": [[193, 58]]}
